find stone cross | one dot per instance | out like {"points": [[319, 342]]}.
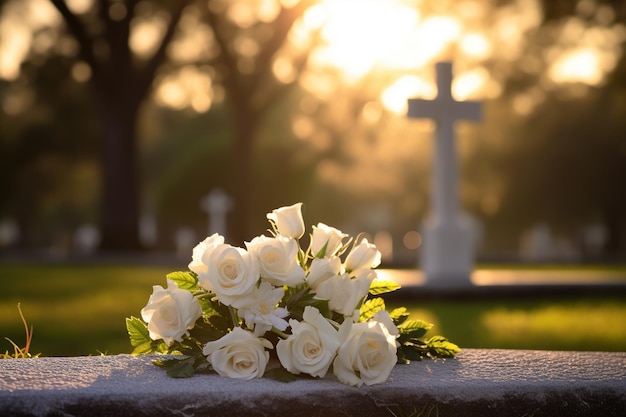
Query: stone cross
{"points": [[448, 239], [217, 203]]}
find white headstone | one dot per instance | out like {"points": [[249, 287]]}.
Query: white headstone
{"points": [[217, 204], [148, 229], [9, 232], [447, 253], [595, 237], [86, 239], [537, 245], [185, 239]]}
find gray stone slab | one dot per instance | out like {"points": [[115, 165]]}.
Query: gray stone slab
{"points": [[477, 383]]}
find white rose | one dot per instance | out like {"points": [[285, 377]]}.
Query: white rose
{"points": [[344, 293], [232, 273], [363, 256], [385, 319], [278, 259], [170, 313], [367, 353], [326, 236], [322, 269], [238, 354], [312, 345], [201, 251], [261, 310], [288, 220]]}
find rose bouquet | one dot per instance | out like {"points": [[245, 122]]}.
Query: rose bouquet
{"points": [[309, 308]]}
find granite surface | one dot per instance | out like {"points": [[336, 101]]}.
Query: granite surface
{"points": [[477, 383]]}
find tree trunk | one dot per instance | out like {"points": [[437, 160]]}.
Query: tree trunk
{"points": [[242, 185], [119, 213]]}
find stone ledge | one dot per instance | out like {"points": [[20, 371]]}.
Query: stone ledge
{"points": [[503, 383]]}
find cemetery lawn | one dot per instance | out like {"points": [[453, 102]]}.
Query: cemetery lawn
{"points": [[81, 309]]}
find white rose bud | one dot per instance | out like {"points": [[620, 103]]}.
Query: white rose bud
{"points": [[367, 353], [326, 236], [363, 256], [312, 345], [232, 273], [238, 354], [201, 252], [322, 269], [170, 313], [278, 260], [288, 220]]}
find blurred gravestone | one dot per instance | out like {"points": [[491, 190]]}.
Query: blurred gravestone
{"points": [[86, 239], [449, 240], [595, 237], [217, 204], [537, 245], [147, 229], [185, 239], [9, 233]]}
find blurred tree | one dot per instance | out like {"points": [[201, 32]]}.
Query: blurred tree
{"points": [[249, 50], [121, 80], [565, 150], [48, 161], [245, 59], [120, 85]]}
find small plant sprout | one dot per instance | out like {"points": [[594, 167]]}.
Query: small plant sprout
{"points": [[21, 352]]}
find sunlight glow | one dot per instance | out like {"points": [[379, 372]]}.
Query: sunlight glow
{"points": [[318, 84], [196, 40], [284, 70], [190, 87], [356, 45], [81, 72], [582, 65], [395, 97], [470, 84], [302, 126], [79, 6], [246, 13], [18, 22], [146, 35], [475, 45], [437, 33]]}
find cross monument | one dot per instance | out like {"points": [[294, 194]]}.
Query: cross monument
{"points": [[447, 254], [217, 204]]}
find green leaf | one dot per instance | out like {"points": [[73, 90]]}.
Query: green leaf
{"points": [[414, 351], [212, 329], [177, 368], [186, 280], [138, 332], [207, 306], [322, 252], [441, 347], [399, 315], [371, 307], [142, 349], [414, 329], [383, 286]]}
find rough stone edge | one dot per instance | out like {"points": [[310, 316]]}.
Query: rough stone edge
{"points": [[436, 394]]}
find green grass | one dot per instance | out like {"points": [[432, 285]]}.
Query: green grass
{"points": [[592, 323], [80, 310]]}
